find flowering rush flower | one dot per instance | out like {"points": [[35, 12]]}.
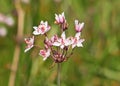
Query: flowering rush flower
{"points": [[29, 42], [44, 53], [57, 47], [60, 19], [62, 42], [78, 26], [76, 41], [42, 28]]}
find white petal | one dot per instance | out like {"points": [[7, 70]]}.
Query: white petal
{"points": [[62, 46], [27, 49], [79, 44], [57, 18], [35, 27], [63, 35], [77, 35], [63, 14], [36, 33], [56, 44], [82, 24], [76, 22], [41, 22], [44, 58], [48, 53], [68, 42], [46, 23], [73, 46]]}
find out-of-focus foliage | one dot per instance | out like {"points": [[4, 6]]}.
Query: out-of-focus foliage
{"points": [[96, 64]]}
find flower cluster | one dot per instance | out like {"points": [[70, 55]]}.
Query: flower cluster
{"points": [[57, 47]]}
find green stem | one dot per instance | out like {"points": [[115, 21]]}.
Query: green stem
{"points": [[58, 74]]}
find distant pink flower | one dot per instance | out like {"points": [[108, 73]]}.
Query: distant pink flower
{"points": [[76, 41], [45, 53], [42, 28], [62, 42], [6, 19], [78, 26], [30, 43], [60, 19], [3, 31], [9, 21]]}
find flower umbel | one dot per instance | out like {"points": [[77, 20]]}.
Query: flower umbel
{"points": [[57, 47]]}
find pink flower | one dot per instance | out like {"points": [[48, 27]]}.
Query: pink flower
{"points": [[3, 31], [45, 53], [78, 26], [29, 42], [42, 28], [60, 19], [6, 19], [48, 43], [62, 42], [76, 41], [9, 21], [54, 38]]}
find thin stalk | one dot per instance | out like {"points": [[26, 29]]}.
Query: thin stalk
{"points": [[14, 65], [58, 73]]}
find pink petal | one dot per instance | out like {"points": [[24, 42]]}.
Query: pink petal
{"points": [[61, 18]]}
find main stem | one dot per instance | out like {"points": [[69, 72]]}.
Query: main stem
{"points": [[58, 73]]}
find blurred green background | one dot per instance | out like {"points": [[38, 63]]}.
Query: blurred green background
{"points": [[96, 64]]}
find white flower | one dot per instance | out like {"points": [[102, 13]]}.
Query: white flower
{"points": [[76, 41], [78, 26], [60, 19], [29, 42], [45, 53], [42, 28], [62, 42]]}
